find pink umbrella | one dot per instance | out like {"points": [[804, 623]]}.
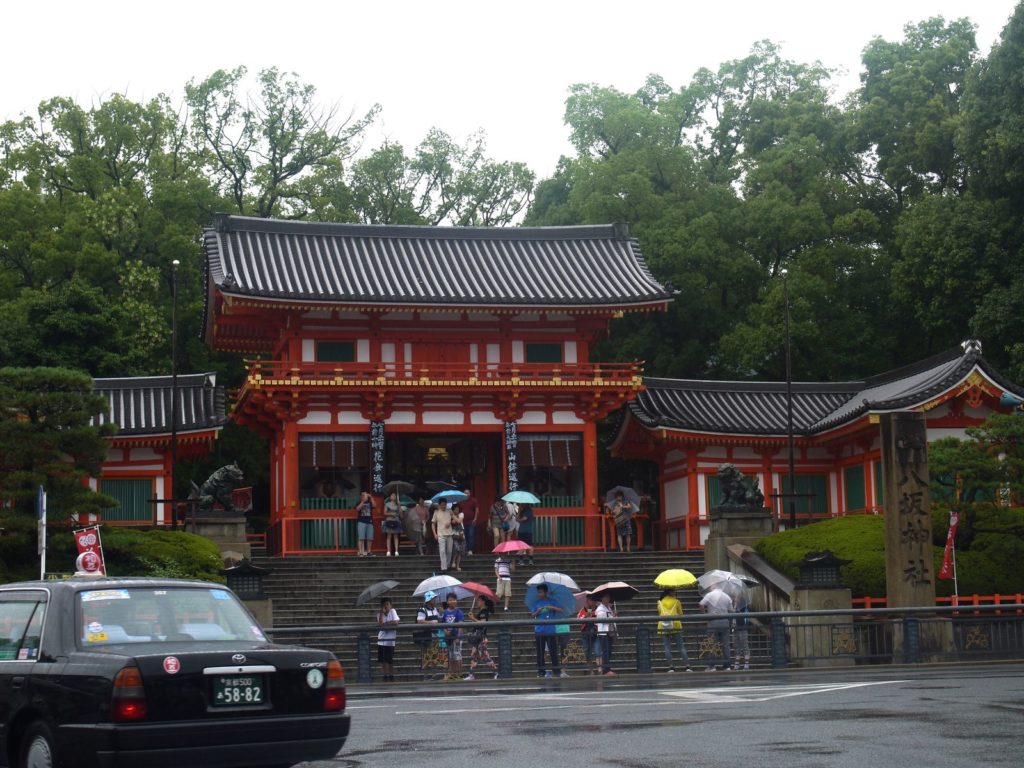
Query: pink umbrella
{"points": [[480, 589], [513, 545]]}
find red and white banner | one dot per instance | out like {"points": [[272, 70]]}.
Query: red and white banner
{"points": [[946, 572], [90, 551]]}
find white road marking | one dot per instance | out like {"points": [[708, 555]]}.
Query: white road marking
{"points": [[765, 692], [752, 694]]}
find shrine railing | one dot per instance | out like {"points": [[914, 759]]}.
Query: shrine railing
{"points": [[317, 531], [285, 373]]}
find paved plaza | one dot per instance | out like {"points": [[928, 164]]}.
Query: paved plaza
{"points": [[851, 718]]}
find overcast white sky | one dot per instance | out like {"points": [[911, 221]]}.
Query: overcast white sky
{"points": [[458, 65]]}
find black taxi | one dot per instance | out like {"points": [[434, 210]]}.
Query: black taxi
{"points": [[157, 673]]}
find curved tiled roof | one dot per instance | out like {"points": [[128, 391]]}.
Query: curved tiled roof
{"points": [[759, 408], [141, 405], [367, 264], [736, 406]]}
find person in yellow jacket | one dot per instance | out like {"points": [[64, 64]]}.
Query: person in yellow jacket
{"points": [[672, 631]]}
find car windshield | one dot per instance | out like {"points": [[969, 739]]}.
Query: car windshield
{"points": [[147, 614]]}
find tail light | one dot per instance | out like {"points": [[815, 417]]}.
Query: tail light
{"points": [[334, 690], [128, 703]]}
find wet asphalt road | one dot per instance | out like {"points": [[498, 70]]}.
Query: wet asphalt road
{"points": [[874, 718]]}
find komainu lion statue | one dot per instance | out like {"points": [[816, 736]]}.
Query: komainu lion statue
{"points": [[738, 490], [217, 490]]}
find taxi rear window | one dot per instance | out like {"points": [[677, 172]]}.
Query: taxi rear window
{"points": [[144, 615]]}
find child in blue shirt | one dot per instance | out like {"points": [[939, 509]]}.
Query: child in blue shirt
{"points": [[453, 637]]}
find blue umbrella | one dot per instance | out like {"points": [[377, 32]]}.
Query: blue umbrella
{"points": [[559, 594], [450, 496], [520, 497]]}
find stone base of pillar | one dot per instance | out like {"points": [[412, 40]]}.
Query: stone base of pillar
{"points": [[228, 533], [822, 641], [734, 525]]}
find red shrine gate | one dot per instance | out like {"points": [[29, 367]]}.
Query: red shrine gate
{"points": [[425, 354]]}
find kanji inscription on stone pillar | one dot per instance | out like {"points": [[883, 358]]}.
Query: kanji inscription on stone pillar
{"points": [[909, 566]]}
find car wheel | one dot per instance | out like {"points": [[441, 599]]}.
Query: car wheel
{"points": [[37, 747]]}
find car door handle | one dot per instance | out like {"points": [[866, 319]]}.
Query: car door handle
{"points": [[17, 681]]}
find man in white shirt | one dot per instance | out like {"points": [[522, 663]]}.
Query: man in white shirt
{"points": [[442, 527], [718, 603], [387, 617]]}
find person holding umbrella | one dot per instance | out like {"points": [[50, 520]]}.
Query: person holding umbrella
{"points": [[525, 531], [717, 603], [503, 574], [453, 636], [622, 511], [591, 645], [499, 522], [481, 613], [605, 633], [545, 635], [672, 630], [427, 614], [387, 617]]}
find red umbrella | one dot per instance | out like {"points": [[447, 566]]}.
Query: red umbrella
{"points": [[512, 545], [480, 589]]}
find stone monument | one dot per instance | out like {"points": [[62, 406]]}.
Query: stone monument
{"points": [[216, 516], [739, 517], [909, 566]]}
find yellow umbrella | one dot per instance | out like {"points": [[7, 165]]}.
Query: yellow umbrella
{"points": [[675, 577]]}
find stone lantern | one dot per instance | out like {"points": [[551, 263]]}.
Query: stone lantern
{"points": [[821, 569]]}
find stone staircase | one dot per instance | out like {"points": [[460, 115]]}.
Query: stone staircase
{"points": [[313, 591]]}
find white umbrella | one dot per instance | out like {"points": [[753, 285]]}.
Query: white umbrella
{"points": [[553, 577], [627, 493], [734, 585], [436, 584]]}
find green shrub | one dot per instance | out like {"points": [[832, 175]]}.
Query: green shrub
{"points": [[991, 566], [126, 551]]}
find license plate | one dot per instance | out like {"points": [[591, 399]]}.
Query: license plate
{"points": [[239, 690]]}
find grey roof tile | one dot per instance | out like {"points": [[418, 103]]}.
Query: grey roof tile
{"points": [[759, 408], [141, 405], [365, 264]]}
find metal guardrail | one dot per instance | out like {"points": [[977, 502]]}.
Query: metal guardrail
{"points": [[780, 639]]}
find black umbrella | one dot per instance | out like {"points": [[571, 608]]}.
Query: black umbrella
{"points": [[397, 486], [619, 590], [374, 591]]}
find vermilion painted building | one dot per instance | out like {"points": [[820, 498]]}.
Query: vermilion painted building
{"points": [[424, 354], [690, 427], [137, 468]]}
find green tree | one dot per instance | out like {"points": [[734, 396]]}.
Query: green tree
{"points": [[442, 182], [983, 477], [908, 109], [46, 438], [275, 152]]}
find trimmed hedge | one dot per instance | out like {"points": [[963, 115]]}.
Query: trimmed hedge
{"points": [[991, 566], [127, 552]]}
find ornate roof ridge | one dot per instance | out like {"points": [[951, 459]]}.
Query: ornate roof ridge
{"points": [[224, 223]]}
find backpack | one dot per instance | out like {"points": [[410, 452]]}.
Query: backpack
{"points": [[422, 636]]}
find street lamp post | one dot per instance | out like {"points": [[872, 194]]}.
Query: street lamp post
{"points": [[174, 389], [791, 497]]}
